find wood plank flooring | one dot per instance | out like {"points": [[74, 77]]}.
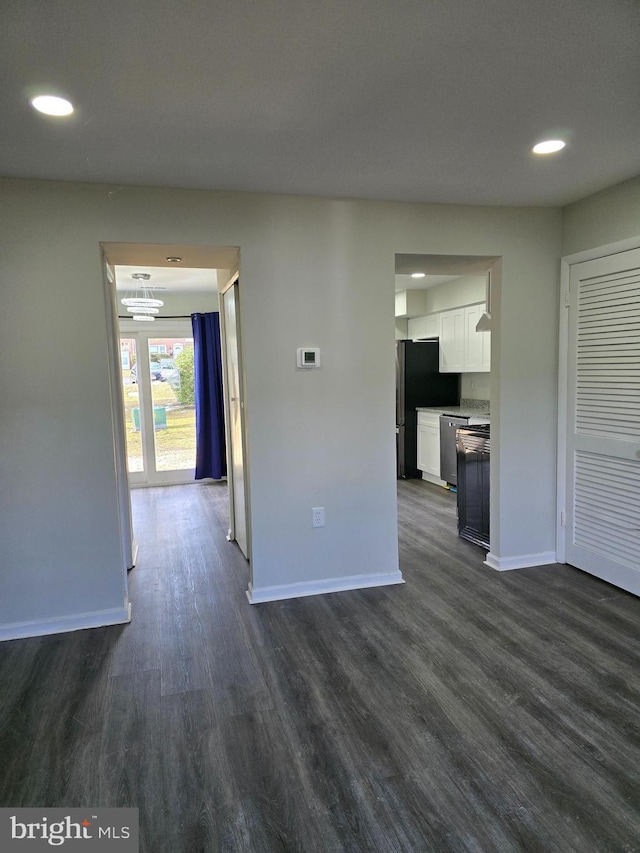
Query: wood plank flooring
{"points": [[468, 710]]}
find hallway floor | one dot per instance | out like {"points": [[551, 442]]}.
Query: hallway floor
{"points": [[467, 710]]}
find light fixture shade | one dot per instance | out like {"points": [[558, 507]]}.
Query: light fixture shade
{"points": [[484, 323], [142, 300], [142, 310]]}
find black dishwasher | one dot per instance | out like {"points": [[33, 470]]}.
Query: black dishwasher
{"points": [[473, 445], [448, 466]]}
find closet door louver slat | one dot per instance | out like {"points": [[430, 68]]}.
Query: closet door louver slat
{"points": [[610, 350]]}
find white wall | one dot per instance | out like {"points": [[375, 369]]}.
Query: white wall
{"points": [[605, 217], [461, 291], [315, 272], [475, 386]]}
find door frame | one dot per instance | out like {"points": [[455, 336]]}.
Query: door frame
{"points": [[128, 544], [235, 279], [563, 358]]}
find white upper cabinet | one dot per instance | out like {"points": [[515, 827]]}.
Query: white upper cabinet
{"points": [[462, 349], [452, 328], [410, 303], [424, 327]]}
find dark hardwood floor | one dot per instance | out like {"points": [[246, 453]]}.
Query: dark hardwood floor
{"points": [[467, 710]]}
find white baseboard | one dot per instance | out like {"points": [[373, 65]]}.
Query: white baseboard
{"points": [[299, 590], [526, 561], [97, 619]]}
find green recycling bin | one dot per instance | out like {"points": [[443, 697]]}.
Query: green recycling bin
{"points": [[159, 417]]}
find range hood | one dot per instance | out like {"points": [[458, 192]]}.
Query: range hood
{"points": [[484, 323]]}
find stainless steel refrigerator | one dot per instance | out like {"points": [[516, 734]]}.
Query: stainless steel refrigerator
{"points": [[418, 384]]}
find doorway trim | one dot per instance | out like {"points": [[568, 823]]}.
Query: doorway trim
{"points": [[128, 545], [231, 534], [566, 263]]}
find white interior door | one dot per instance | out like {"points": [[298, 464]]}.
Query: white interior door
{"points": [[236, 417], [603, 419]]}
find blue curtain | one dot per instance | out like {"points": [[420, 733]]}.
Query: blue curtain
{"points": [[211, 460]]}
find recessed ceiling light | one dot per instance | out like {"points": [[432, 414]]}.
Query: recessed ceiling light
{"points": [[417, 275], [51, 105], [549, 146], [141, 276], [143, 318], [173, 259]]}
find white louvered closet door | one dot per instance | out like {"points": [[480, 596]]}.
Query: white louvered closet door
{"points": [[603, 425]]}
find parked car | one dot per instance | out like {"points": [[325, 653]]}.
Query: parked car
{"points": [[169, 372], [156, 372]]}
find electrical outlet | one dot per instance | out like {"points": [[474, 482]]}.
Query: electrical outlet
{"points": [[317, 516]]}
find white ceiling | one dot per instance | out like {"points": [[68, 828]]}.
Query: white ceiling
{"points": [[406, 282], [195, 272], [166, 278], [438, 269], [418, 100], [158, 254]]}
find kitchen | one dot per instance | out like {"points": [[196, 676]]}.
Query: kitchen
{"points": [[443, 364]]}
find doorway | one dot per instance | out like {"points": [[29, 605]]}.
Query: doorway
{"points": [[443, 366], [151, 359]]}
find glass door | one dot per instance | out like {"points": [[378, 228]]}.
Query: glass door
{"points": [[174, 411], [159, 403], [131, 399]]}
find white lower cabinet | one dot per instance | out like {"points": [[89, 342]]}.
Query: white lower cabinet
{"points": [[429, 446]]}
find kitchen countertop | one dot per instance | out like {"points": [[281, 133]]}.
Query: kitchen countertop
{"points": [[457, 411]]}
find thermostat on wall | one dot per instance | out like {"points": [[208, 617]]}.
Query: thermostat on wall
{"points": [[308, 357]]}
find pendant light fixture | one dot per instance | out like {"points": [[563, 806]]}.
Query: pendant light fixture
{"points": [[142, 300], [142, 307]]}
